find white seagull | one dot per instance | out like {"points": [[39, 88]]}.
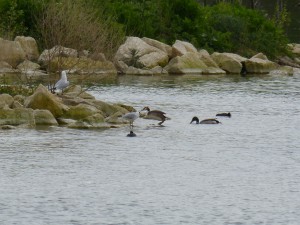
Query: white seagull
{"points": [[62, 83], [131, 117]]}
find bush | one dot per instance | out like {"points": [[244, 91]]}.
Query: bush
{"points": [[76, 24]]}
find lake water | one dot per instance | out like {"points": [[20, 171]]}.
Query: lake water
{"points": [[243, 171]]}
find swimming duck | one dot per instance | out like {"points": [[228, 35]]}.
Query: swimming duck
{"points": [[228, 114], [205, 121], [155, 115], [131, 134]]}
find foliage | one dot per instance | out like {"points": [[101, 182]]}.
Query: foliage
{"points": [[101, 25], [76, 24], [11, 20]]}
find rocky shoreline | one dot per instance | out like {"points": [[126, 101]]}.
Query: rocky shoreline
{"points": [[139, 56], [74, 109]]}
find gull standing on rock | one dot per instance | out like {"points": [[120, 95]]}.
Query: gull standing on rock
{"points": [[131, 117], [62, 83]]}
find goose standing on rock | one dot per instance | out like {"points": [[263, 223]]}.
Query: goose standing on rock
{"points": [[205, 121], [155, 115], [62, 83]]}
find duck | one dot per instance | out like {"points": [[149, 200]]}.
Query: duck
{"points": [[131, 134], [228, 114], [205, 121], [155, 115]]}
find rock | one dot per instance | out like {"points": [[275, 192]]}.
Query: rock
{"points": [[180, 48], [16, 105], [28, 66], [18, 116], [19, 98], [207, 59], [137, 53], [6, 99], [79, 125], [29, 46], [295, 48], [260, 56], [94, 119], [283, 71], [44, 117], [56, 51], [108, 109], [135, 71], [81, 111], [82, 65], [158, 70], [157, 44], [231, 63], [127, 107], [7, 127], [6, 68], [43, 99], [287, 61], [74, 91], [116, 118], [98, 57], [213, 71], [186, 64], [259, 66], [65, 121], [11, 52]]}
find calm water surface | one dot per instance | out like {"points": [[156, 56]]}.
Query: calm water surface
{"points": [[244, 171]]}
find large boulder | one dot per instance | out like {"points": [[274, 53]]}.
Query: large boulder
{"points": [[75, 91], [81, 111], [295, 48], [11, 52], [18, 116], [108, 109], [207, 59], [180, 48], [6, 67], [57, 51], [30, 69], [43, 99], [44, 117], [137, 53], [29, 46], [231, 63], [186, 64], [6, 99], [157, 44], [259, 66]]}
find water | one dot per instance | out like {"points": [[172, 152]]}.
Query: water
{"points": [[244, 171]]}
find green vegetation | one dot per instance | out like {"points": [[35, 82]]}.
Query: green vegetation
{"points": [[101, 25]]}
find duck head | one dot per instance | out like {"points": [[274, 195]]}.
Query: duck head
{"points": [[196, 119], [146, 108]]}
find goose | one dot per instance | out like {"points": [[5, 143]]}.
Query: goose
{"points": [[205, 121], [228, 114], [131, 117], [62, 83], [155, 115]]}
